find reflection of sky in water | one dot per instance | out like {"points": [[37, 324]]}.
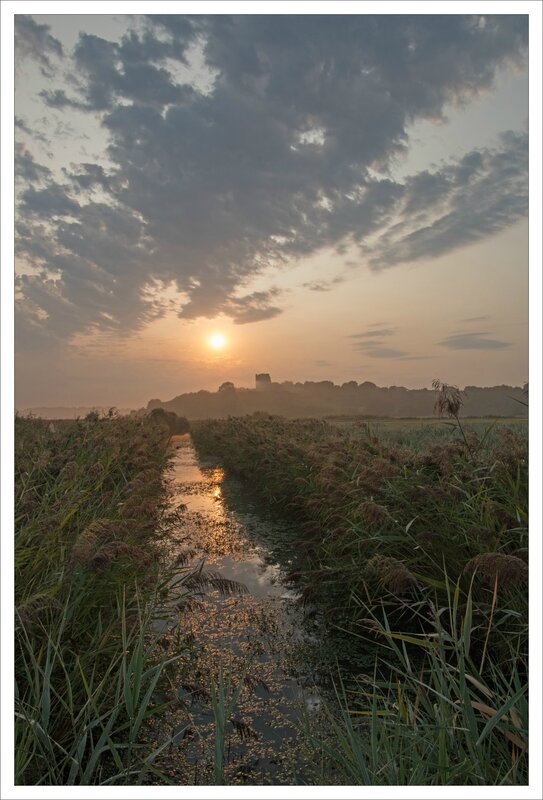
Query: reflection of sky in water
{"points": [[185, 467], [259, 632], [221, 522], [259, 578]]}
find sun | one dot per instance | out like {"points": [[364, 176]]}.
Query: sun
{"points": [[217, 341]]}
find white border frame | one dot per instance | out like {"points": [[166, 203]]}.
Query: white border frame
{"points": [[9, 8]]}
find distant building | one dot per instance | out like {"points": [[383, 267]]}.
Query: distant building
{"points": [[262, 380]]}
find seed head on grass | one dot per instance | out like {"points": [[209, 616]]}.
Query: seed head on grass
{"points": [[372, 513], [104, 557], [448, 403], [507, 570], [95, 534], [393, 574], [29, 612], [449, 399]]}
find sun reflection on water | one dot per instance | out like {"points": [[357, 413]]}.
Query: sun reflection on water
{"points": [[259, 634]]}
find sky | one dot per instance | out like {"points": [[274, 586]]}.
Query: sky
{"points": [[341, 197]]}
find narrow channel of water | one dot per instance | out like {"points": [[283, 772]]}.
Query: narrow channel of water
{"points": [[257, 637]]}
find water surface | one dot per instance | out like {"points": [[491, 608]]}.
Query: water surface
{"points": [[255, 634]]}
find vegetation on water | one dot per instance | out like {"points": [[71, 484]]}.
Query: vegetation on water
{"points": [[416, 558]]}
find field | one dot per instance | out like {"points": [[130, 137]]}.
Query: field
{"points": [[409, 545]]}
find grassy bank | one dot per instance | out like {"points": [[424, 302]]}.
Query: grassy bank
{"points": [[90, 502], [416, 558]]}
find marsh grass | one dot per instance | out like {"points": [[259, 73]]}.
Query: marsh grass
{"points": [[414, 557], [436, 718], [81, 724], [90, 507], [225, 694], [383, 531], [373, 516]]}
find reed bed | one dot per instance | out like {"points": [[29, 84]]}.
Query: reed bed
{"points": [[416, 559], [411, 550], [90, 508]]}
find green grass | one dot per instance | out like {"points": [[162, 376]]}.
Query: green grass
{"points": [[90, 505], [435, 720], [225, 693], [418, 434]]}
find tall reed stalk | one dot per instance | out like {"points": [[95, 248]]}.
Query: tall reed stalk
{"points": [[224, 697]]}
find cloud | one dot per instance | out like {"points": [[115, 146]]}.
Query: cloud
{"points": [[473, 341], [51, 201], [478, 196], [90, 176], [323, 286], [21, 125], [256, 314], [380, 332], [254, 307], [378, 351], [27, 169], [373, 343], [33, 41], [108, 71], [205, 189]]}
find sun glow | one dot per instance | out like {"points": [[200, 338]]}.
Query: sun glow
{"points": [[217, 341]]}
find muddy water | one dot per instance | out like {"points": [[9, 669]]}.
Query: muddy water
{"points": [[254, 634]]}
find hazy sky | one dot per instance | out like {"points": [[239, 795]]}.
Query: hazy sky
{"points": [[342, 197]]}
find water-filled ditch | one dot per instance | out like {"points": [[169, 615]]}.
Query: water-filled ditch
{"points": [[251, 629]]}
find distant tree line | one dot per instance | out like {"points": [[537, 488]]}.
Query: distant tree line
{"points": [[324, 398]]}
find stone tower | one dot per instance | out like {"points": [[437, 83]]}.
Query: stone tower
{"points": [[262, 380]]}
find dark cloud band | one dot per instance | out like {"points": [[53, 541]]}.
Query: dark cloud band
{"points": [[473, 341]]}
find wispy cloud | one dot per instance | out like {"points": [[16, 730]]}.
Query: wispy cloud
{"points": [[374, 333], [473, 341], [374, 344], [480, 195], [377, 350], [381, 350], [33, 41], [323, 286]]}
